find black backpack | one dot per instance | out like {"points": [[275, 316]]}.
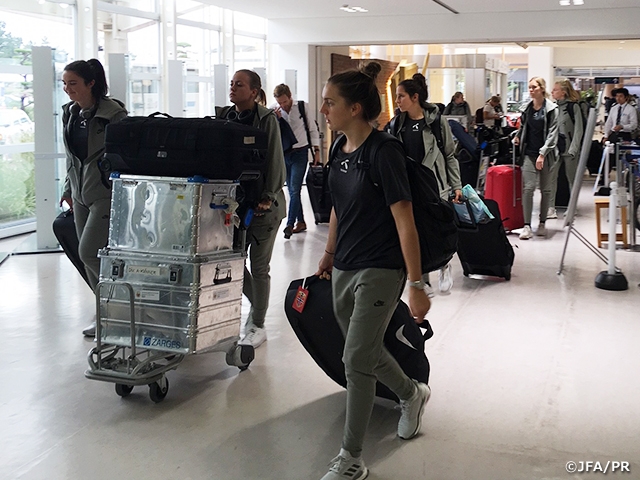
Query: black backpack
{"points": [[584, 111], [437, 232]]}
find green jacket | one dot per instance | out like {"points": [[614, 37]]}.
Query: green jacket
{"points": [[266, 120], [572, 131], [85, 183], [550, 148]]}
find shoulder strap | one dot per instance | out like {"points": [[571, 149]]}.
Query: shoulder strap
{"points": [[303, 114], [436, 129]]}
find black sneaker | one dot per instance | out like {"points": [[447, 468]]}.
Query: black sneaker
{"points": [[288, 231]]}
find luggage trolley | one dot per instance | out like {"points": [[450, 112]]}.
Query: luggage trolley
{"points": [[170, 281]]}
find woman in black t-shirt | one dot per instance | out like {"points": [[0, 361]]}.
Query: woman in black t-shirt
{"points": [[371, 248], [537, 137]]}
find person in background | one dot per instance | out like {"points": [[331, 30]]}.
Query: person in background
{"points": [[570, 131], [459, 106], [372, 247], [87, 189], [415, 126], [491, 111], [622, 120], [306, 132], [246, 89], [538, 139]]}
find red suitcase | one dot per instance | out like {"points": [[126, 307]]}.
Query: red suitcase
{"points": [[504, 185]]}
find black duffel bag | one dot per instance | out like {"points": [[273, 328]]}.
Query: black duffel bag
{"points": [[184, 147]]}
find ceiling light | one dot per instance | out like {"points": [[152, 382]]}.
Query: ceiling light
{"points": [[565, 3], [578, 2], [360, 9]]}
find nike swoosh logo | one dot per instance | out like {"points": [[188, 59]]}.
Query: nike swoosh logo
{"points": [[400, 336]]}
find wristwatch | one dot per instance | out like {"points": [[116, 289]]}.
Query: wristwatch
{"points": [[417, 284]]}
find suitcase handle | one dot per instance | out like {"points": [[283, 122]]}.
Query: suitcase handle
{"points": [[159, 114]]}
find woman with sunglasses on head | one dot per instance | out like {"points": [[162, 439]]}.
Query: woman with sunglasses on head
{"points": [[538, 139], [246, 94], [372, 247], [87, 189]]}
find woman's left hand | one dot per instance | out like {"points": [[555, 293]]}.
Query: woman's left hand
{"points": [[264, 205], [540, 162], [459, 197]]}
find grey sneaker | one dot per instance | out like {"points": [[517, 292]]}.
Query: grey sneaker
{"points": [[542, 231], [445, 280], [90, 331], [255, 336], [551, 213], [412, 409], [344, 466]]}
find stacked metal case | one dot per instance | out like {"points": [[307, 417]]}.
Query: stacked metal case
{"points": [[171, 240]]}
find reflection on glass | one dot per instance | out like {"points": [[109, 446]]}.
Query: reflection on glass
{"points": [[249, 52], [17, 188]]}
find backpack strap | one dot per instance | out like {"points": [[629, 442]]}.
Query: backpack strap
{"points": [[436, 130], [303, 114], [572, 114]]}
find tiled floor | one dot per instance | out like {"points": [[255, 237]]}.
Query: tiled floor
{"points": [[526, 376]]}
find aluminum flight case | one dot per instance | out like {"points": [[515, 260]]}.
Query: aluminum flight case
{"points": [[171, 216], [184, 305]]}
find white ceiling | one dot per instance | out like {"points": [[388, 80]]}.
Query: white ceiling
{"points": [[321, 22], [325, 9]]}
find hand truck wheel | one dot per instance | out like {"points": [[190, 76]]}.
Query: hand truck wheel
{"points": [[158, 390], [123, 390]]}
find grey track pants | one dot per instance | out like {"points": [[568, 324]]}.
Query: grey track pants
{"points": [[363, 302], [570, 167], [92, 227], [529, 180], [261, 237]]}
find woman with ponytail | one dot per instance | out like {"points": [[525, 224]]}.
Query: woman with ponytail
{"points": [[87, 189], [427, 138], [372, 247], [246, 93]]}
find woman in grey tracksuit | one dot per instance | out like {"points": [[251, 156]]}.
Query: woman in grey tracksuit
{"points": [[570, 132], [87, 189], [538, 138], [245, 91]]}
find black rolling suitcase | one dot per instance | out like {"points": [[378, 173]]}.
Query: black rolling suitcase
{"points": [[319, 193], [483, 248], [319, 333], [64, 228], [184, 147]]}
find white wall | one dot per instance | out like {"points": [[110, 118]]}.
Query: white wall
{"points": [[595, 57], [288, 57]]}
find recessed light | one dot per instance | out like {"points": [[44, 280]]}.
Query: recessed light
{"points": [[565, 3], [348, 9], [578, 2], [622, 41]]}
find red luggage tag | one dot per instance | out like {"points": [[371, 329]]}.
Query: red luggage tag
{"points": [[300, 300]]}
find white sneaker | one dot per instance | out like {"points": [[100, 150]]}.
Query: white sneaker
{"points": [[526, 233], [254, 336], [445, 280], [542, 231], [344, 466], [428, 289], [551, 213], [412, 409]]}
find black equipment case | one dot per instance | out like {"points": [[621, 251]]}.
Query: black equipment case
{"points": [[184, 147], [319, 193], [318, 331]]}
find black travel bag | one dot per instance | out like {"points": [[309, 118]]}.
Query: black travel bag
{"points": [[184, 147], [483, 248], [319, 193], [64, 228], [318, 331]]}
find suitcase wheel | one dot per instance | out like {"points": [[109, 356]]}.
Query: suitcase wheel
{"points": [[240, 356], [158, 390]]}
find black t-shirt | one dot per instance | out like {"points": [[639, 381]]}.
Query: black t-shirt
{"points": [[367, 235], [80, 138], [535, 132], [412, 138]]}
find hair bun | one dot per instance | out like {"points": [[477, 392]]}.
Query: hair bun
{"points": [[418, 77], [372, 69]]}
